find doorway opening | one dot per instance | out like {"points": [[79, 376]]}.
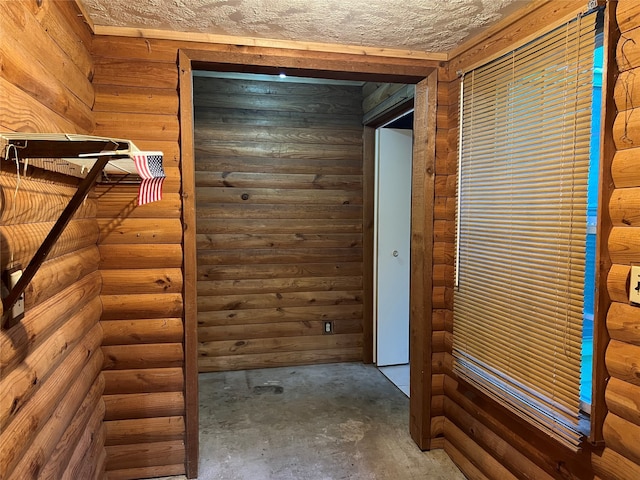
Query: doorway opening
{"points": [[392, 248], [423, 75]]}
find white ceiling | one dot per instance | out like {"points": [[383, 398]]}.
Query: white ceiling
{"points": [[422, 25]]}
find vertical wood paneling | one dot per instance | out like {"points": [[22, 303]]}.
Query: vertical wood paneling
{"points": [[50, 361], [280, 163], [140, 265]]}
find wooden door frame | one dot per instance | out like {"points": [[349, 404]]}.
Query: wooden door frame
{"points": [[331, 66]]}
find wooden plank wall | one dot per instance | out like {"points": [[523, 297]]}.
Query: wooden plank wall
{"points": [[140, 264], [621, 457], [51, 408], [279, 222], [482, 438]]}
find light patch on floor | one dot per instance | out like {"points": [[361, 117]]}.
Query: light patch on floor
{"points": [[398, 375]]}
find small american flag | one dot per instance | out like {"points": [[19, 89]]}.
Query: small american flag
{"points": [[149, 166]]}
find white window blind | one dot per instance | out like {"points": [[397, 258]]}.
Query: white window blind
{"points": [[522, 187]]}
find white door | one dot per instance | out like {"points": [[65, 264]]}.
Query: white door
{"points": [[393, 239]]}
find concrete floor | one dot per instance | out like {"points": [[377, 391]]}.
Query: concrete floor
{"points": [[324, 422]]}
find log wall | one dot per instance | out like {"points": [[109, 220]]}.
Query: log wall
{"points": [[140, 266], [51, 407], [279, 222], [621, 431]]}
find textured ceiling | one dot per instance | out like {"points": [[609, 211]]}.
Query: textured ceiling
{"points": [[424, 25]]}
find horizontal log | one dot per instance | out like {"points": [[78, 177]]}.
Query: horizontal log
{"points": [[37, 201], [276, 196], [167, 280], [442, 320], [146, 472], [625, 168], [273, 271], [470, 471], [145, 126], [62, 23], [144, 455], [618, 283], [288, 299], [144, 430], [40, 322], [23, 113], [626, 129], [278, 359], [280, 314], [623, 361], [477, 455], [85, 391], [275, 330], [84, 460], [495, 446], [138, 306], [131, 332], [318, 135], [622, 437], [19, 384], [306, 212], [140, 231], [624, 207], [278, 181], [626, 94], [60, 273], [148, 380], [159, 355], [628, 50], [443, 275], [623, 323], [557, 461], [297, 240], [628, 16], [267, 226], [287, 151], [282, 256], [143, 405], [92, 406], [22, 241], [284, 344], [333, 105], [20, 433], [140, 256], [231, 162], [624, 247], [134, 73], [623, 400], [21, 68], [17, 22], [125, 205], [445, 185], [610, 465], [300, 284], [444, 208], [125, 99], [236, 119]]}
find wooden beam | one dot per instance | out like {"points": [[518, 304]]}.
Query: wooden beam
{"points": [[421, 307], [265, 42], [190, 266]]}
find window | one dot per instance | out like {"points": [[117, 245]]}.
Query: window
{"points": [[519, 305]]}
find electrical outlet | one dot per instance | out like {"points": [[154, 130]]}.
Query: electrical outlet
{"points": [[11, 277], [328, 328], [634, 285]]}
